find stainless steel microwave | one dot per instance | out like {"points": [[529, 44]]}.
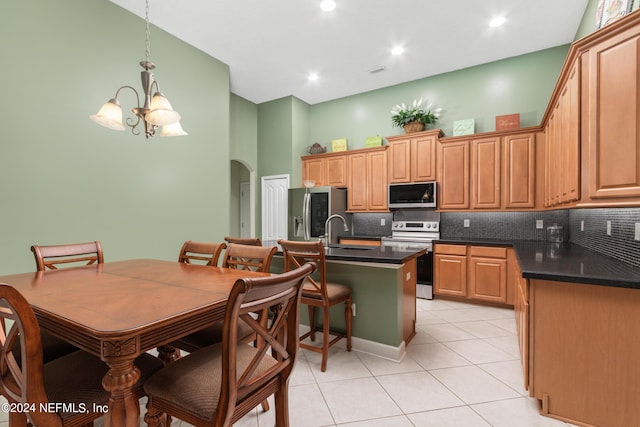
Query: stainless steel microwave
{"points": [[412, 195]]}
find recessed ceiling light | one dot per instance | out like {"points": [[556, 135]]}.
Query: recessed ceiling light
{"points": [[398, 50], [497, 21], [313, 77], [328, 5]]}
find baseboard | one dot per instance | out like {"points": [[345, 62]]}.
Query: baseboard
{"points": [[385, 351]]}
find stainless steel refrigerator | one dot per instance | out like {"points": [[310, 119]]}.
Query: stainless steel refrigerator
{"points": [[309, 208]]}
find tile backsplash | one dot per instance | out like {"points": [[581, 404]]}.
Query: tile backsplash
{"points": [[500, 225], [588, 228], [585, 227]]}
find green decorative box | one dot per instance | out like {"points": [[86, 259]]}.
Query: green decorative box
{"points": [[373, 141]]}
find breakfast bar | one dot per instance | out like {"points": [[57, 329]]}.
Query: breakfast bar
{"points": [[383, 281]]}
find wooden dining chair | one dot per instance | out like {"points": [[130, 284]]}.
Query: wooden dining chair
{"points": [[320, 293], [246, 257], [50, 257], [71, 383], [241, 257], [251, 241], [201, 252], [217, 385]]}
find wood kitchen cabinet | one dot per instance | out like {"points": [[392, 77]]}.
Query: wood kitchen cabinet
{"points": [[325, 169], [562, 145], [519, 177], [492, 172], [521, 310], [612, 115], [453, 175], [488, 274], [583, 352], [450, 270], [412, 157], [367, 180], [485, 173], [479, 273], [336, 171], [313, 169]]}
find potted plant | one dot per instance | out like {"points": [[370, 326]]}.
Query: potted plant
{"points": [[414, 118]]}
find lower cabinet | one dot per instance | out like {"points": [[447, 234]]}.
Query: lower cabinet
{"points": [[450, 270], [521, 309], [475, 272]]}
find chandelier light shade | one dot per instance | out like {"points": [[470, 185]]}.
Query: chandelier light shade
{"points": [[155, 112]]}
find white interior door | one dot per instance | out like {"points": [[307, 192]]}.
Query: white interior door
{"points": [[275, 207]]}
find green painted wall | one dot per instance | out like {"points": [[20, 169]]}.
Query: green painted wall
{"points": [[521, 84], [65, 179], [244, 131]]}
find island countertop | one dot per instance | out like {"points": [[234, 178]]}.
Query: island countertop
{"points": [[564, 262], [356, 253]]}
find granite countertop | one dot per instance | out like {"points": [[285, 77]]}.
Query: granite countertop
{"points": [[564, 262], [373, 254]]}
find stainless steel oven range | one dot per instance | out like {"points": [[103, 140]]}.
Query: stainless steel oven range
{"points": [[418, 235]]}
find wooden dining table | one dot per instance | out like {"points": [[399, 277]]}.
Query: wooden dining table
{"points": [[118, 310]]}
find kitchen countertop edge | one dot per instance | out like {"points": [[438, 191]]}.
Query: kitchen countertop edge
{"points": [[373, 254]]}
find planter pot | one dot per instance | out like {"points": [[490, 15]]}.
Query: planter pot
{"points": [[413, 127]]}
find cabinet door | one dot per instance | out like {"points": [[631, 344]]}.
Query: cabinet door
{"points": [[377, 184], [336, 171], [357, 182], [314, 169], [450, 275], [519, 171], [570, 101], [614, 117], [400, 160], [453, 170], [423, 158], [485, 173], [488, 279]]}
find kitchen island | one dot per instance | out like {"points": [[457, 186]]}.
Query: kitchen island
{"points": [[383, 282], [578, 321]]}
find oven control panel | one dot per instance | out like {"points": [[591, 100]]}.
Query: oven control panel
{"points": [[418, 226]]}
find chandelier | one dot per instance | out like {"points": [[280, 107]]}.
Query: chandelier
{"points": [[156, 110]]}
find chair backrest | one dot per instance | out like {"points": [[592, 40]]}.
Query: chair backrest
{"points": [[280, 294], [52, 256], [251, 241], [296, 253], [207, 253], [22, 381], [245, 257]]}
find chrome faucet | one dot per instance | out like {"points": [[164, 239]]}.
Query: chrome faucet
{"points": [[327, 228]]}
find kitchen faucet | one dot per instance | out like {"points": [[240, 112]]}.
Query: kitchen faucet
{"points": [[327, 228]]}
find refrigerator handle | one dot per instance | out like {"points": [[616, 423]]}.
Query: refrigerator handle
{"points": [[306, 220]]}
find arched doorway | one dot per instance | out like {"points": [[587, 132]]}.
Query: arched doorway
{"points": [[242, 206]]}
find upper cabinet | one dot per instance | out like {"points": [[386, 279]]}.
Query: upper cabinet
{"points": [[611, 114], [453, 175], [493, 172], [412, 157], [367, 180], [519, 165], [325, 169], [562, 144]]}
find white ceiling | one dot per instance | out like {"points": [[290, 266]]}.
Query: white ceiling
{"points": [[272, 45]]}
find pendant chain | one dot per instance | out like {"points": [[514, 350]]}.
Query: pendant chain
{"points": [[148, 39]]}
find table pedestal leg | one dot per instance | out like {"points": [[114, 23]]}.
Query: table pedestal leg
{"points": [[124, 409]]}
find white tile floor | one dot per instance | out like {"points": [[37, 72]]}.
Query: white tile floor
{"points": [[462, 369]]}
